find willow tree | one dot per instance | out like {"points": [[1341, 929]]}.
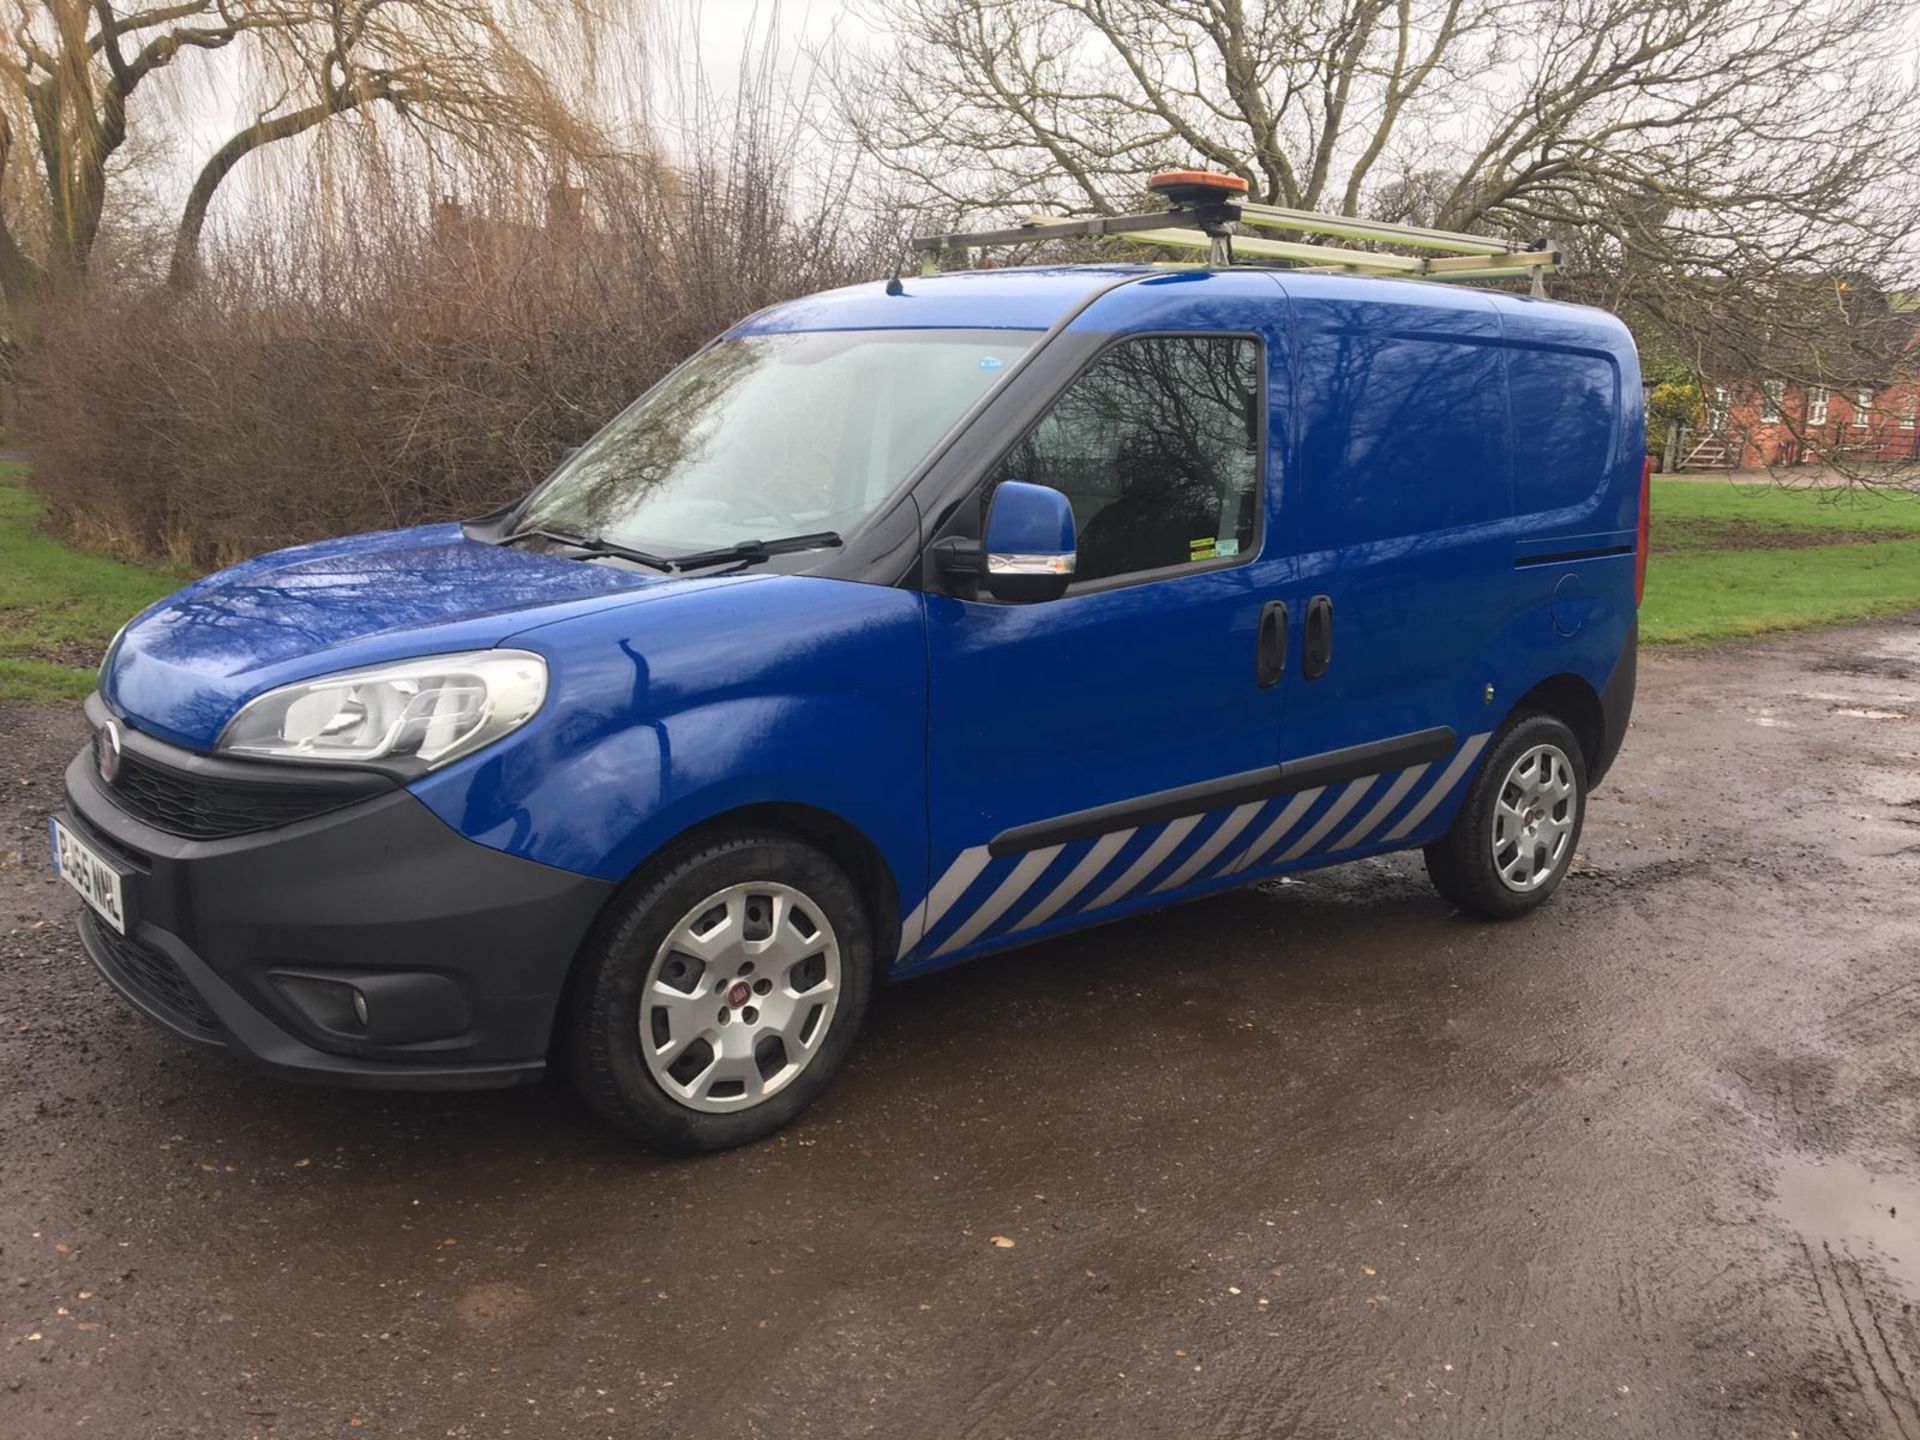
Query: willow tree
{"points": [[85, 83]]}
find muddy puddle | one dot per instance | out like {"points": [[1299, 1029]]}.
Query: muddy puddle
{"points": [[1838, 1202]]}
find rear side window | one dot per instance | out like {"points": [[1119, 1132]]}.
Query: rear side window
{"points": [[1400, 435], [1157, 445], [1566, 408]]}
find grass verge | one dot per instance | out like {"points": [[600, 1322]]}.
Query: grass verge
{"points": [[58, 606], [1732, 560], [1729, 560]]}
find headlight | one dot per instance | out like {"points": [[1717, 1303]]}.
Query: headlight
{"points": [[434, 710]]}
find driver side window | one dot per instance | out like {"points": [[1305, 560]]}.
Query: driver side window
{"points": [[1157, 445]]}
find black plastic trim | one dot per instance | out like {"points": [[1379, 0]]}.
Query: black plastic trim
{"points": [[1616, 707], [152, 981], [1327, 768], [381, 887], [1562, 557]]}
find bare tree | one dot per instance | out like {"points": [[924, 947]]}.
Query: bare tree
{"points": [[1690, 156], [1762, 122], [469, 73]]}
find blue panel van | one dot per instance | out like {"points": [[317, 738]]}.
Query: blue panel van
{"points": [[898, 625]]}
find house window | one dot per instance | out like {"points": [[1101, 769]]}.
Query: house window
{"points": [[1862, 404], [1817, 407], [1773, 395], [1717, 410], [1907, 409]]}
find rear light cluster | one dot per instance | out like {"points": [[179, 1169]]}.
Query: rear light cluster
{"points": [[1640, 541]]}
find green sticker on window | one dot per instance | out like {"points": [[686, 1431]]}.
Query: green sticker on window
{"points": [[1203, 549]]}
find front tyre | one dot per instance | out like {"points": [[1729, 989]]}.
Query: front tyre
{"points": [[1514, 839], [721, 995]]}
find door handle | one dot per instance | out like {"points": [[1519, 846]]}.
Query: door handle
{"points": [[1270, 656], [1316, 647]]}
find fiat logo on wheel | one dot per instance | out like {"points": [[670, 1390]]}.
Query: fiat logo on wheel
{"points": [[106, 751]]}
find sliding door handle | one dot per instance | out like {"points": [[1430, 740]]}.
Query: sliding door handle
{"points": [[1316, 647], [1270, 656]]}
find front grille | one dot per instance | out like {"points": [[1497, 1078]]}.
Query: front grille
{"points": [[201, 807], [153, 977]]}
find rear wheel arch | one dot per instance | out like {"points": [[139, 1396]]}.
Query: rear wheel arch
{"points": [[1575, 704]]}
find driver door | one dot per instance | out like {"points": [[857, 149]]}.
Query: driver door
{"points": [[1071, 741]]}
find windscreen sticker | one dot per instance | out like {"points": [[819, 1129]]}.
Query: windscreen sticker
{"points": [[991, 362], [1203, 549], [1227, 548]]}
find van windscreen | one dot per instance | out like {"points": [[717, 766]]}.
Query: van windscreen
{"points": [[773, 434]]}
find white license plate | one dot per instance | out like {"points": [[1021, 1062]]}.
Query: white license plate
{"points": [[98, 881]]}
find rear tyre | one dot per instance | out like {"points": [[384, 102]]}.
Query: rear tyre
{"points": [[720, 996], [1514, 839]]}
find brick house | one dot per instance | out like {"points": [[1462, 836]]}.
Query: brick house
{"points": [[1749, 425], [1755, 423]]}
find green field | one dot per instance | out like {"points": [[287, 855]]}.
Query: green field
{"points": [[1731, 560], [1728, 560], [58, 606]]}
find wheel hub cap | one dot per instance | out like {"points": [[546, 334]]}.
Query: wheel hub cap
{"points": [[739, 997], [1533, 818]]}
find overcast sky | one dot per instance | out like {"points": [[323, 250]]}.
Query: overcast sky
{"points": [[724, 25], [707, 37]]}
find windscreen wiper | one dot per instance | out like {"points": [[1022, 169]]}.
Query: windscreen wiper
{"points": [[593, 545], [758, 549]]}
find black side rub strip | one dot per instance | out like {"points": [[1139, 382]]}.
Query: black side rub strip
{"points": [[1326, 768], [1599, 552]]}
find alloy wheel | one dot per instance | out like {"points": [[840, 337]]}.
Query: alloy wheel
{"points": [[1533, 818], [739, 997]]}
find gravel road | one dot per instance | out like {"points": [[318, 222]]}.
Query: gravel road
{"points": [[1314, 1159]]}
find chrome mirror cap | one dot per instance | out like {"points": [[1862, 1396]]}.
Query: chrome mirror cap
{"points": [[1026, 563]]}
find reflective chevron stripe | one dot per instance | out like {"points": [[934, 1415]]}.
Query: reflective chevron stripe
{"points": [[1235, 822], [1442, 787], [1336, 812], [929, 912], [1017, 884], [996, 904], [1282, 824], [1078, 878], [1384, 807], [1150, 857]]}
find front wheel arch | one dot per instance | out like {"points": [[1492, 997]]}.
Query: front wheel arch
{"points": [[842, 842], [619, 975]]}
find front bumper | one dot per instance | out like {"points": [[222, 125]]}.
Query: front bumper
{"points": [[255, 943]]}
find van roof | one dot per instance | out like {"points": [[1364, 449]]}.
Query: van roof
{"points": [[1029, 297], [1036, 297]]}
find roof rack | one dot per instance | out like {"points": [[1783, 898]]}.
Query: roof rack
{"points": [[1202, 208]]}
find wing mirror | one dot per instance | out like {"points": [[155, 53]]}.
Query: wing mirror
{"points": [[1028, 553]]}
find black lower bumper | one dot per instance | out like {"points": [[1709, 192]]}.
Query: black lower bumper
{"points": [[368, 946]]}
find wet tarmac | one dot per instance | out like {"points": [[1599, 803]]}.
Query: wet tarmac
{"points": [[1315, 1159]]}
